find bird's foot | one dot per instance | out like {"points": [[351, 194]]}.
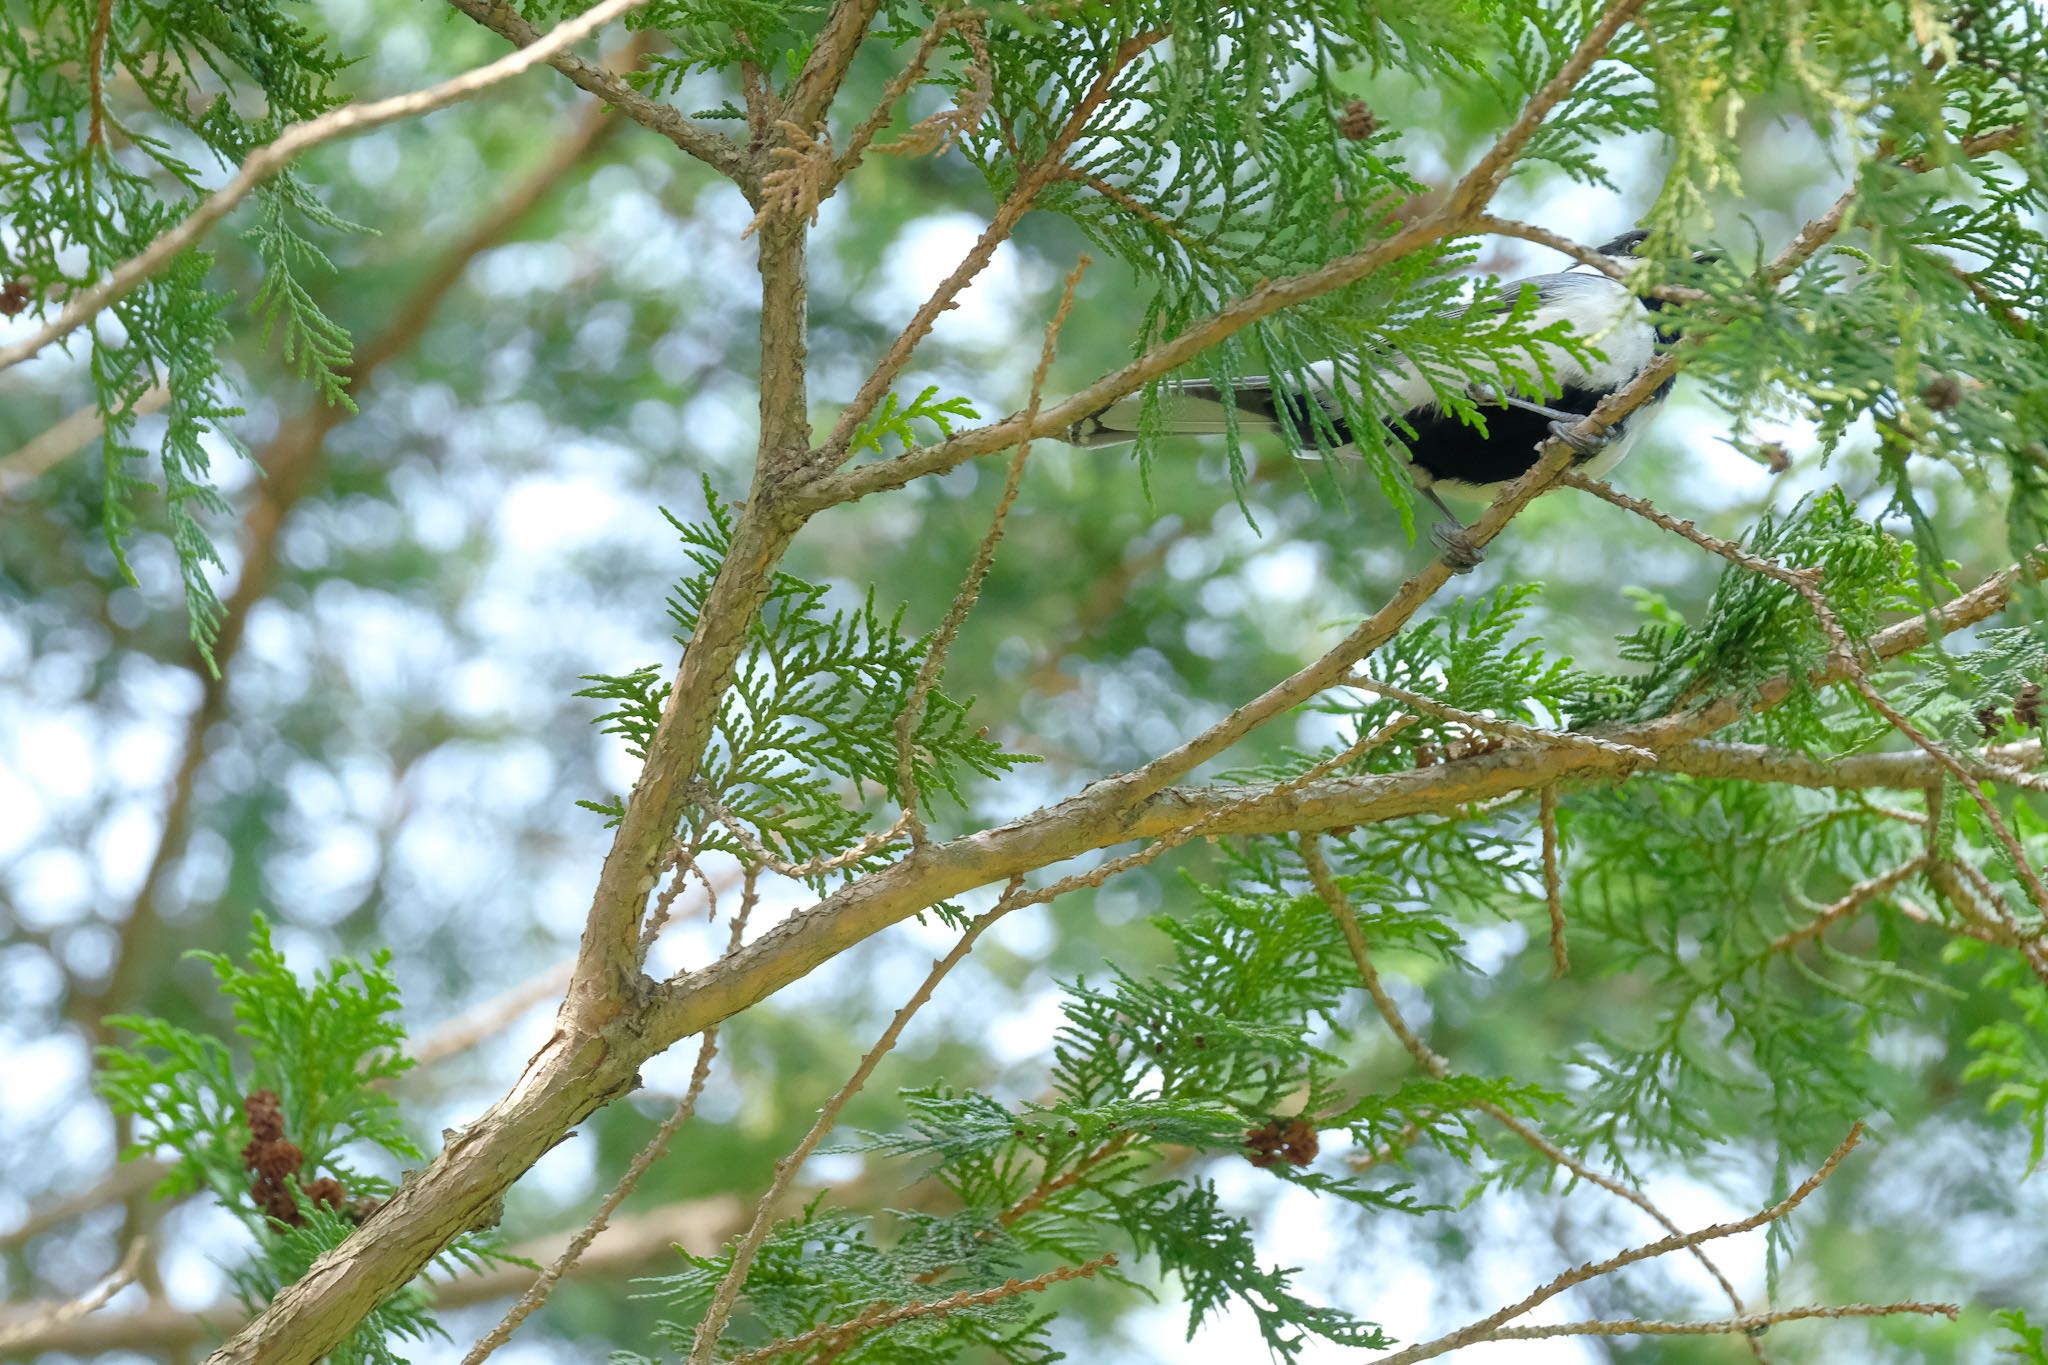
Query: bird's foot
{"points": [[1584, 445], [1459, 552]]}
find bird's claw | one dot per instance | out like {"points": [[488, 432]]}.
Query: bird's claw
{"points": [[1458, 550], [1584, 445]]}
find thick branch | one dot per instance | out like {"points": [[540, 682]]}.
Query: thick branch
{"points": [[1749, 1324], [630, 1244], [830, 57], [1105, 814], [608, 980]]}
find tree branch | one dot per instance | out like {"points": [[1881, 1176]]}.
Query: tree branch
{"points": [[709, 146], [272, 157], [1478, 1331], [656, 1148], [970, 587], [712, 1324], [627, 1246], [65, 438], [1014, 206], [1435, 1064], [831, 54], [1105, 814], [1747, 1325], [1853, 900]]}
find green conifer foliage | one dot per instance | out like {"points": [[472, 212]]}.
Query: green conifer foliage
{"points": [[1465, 900]]}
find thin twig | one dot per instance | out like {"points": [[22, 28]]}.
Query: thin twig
{"points": [[1496, 725], [269, 159], [1015, 205], [1749, 1323], [67, 436], [1983, 933], [1556, 241], [656, 1148], [1553, 881], [879, 1317], [977, 573], [713, 148], [749, 1244], [1842, 652], [859, 850], [1987, 913], [94, 1299], [95, 75], [682, 861], [1436, 1065], [899, 85], [1481, 1330], [1853, 900], [1580, 252]]}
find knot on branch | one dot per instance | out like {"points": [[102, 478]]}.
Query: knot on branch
{"points": [[800, 183]]}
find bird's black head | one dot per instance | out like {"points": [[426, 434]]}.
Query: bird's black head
{"points": [[1624, 245], [1629, 245]]}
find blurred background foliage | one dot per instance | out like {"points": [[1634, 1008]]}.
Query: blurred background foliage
{"points": [[394, 757]]}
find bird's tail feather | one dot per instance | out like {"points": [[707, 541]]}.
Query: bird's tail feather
{"points": [[1187, 408]]}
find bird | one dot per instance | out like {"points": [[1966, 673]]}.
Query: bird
{"points": [[1448, 457]]}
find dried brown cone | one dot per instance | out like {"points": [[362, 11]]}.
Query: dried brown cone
{"points": [[1989, 721], [1776, 458], [327, 1191], [15, 295], [1291, 1140], [277, 1203], [1943, 392], [2026, 707], [265, 1114], [274, 1162], [1357, 122]]}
